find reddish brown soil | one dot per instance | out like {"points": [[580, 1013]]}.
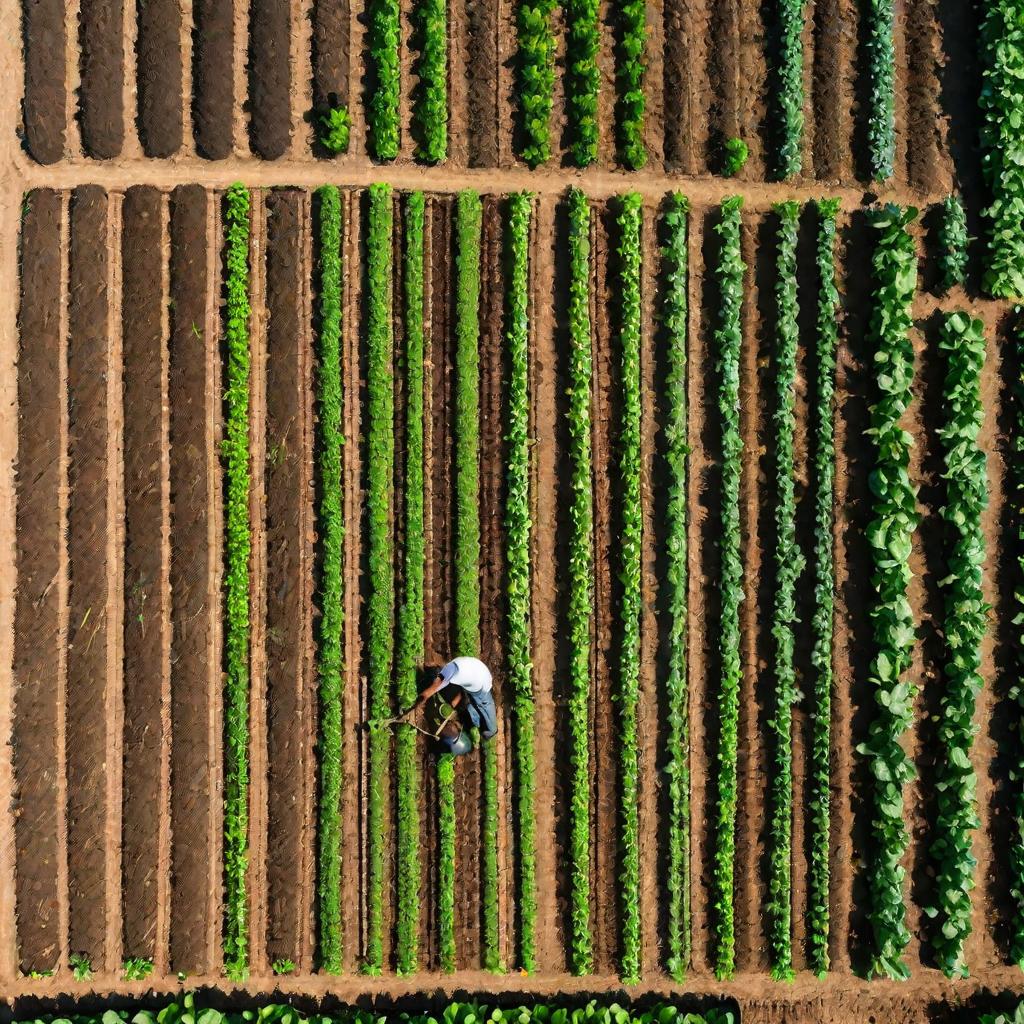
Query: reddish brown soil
{"points": [[146, 583], [269, 78], [40, 615], [835, 34], [44, 106], [929, 167], [482, 82], [212, 89], [101, 106], [158, 56]]}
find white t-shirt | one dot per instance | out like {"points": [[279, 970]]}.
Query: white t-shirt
{"points": [[469, 673]]}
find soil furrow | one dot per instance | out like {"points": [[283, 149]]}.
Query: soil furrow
{"points": [[330, 53], [39, 619], [483, 125], [146, 584], [928, 158], [213, 92], [752, 86], [302, 90], [835, 40], [44, 109], [158, 61], [270, 71], [100, 96]]}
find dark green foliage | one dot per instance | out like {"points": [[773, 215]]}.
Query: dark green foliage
{"points": [[237, 545], [334, 126], [727, 339], [430, 106], [881, 114], [629, 75], [535, 66], [582, 78], [331, 531], [789, 87], [384, 41], [446, 861], [953, 241], [734, 157]]}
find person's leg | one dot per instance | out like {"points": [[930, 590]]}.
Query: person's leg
{"points": [[486, 712]]}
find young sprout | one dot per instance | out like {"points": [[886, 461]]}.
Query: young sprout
{"points": [[81, 967]]}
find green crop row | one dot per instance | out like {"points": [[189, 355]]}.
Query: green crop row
{"points": [[409, 654], [630, 541], [580, 611], [674, 313], [237, 543], [380, 474], [1002, 137], [881, 59], [517, 556], [890, 536], [789, 563], [582, 78], [727, 339], [384, 43], [331, 531], [953, 240], [789, 87], [535, 67], [629, 74], [430, 105], [963, 344], [819, 818], [446, 862]]}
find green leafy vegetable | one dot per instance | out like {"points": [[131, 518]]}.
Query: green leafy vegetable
{"points": [[953, 241], [384, 42], [430, 103], [629, 74], [535, 67], [881, 114]]}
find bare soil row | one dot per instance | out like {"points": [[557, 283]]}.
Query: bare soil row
{"points": [[117, 707], [237, 78]]}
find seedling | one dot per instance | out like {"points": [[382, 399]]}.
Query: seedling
{"points": [[734, 157], [283, 966], [81, 967], [335, 126], [137, 968]]}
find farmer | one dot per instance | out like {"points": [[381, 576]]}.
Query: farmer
{"points": [[467, 685]]}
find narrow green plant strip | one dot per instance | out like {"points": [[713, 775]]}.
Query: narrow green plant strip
{"points": [[380, 474], [517, 559], [890, 536], [789, 563], [535, 68], [881, 57], [446, 861], [331, 531], [237, 544], [384, 40], [953, 240], [409, 655], [819, 818], [583, 78], [1002, 138], [789, 87], [629, 74], [963, 344], [727, 339], [580, 611], [430, 103], [674, 312], [631, 605]]}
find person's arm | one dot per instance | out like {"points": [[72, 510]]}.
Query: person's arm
{"points": [[429, 692]]}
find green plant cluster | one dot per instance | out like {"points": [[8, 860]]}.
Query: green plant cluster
{"points": [[630, 541], [409, 651], [384, 42], [735, 153], [335, 126], [518, 527], [789, 564], [953, 241], [963, 344], [1002, 138], [582, 78], [674, 314], [881, 115], [430, 108], [446, 862], [380, 473], [1015, 1016], [629, 74], [890, 537], [136, 968], [580, 611], [237, 542], [727, 340], [535, 68], [331, 531], [789, 87], [819, 790]]}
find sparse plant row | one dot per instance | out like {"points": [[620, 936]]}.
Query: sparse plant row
{"points": [[331, 531], [881, 58], [517, 554], [789, 563], [630, 541], [430, 103], [890, 536], [789, 88], [629, 74], [410, 652], [380, 455], [1002, 137], [674, 312], [580, 609], [963, 344], [727, 339], [237, 544], [384, 41], [535, 65], [953, 240], [819, 816], [582, 79]]}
